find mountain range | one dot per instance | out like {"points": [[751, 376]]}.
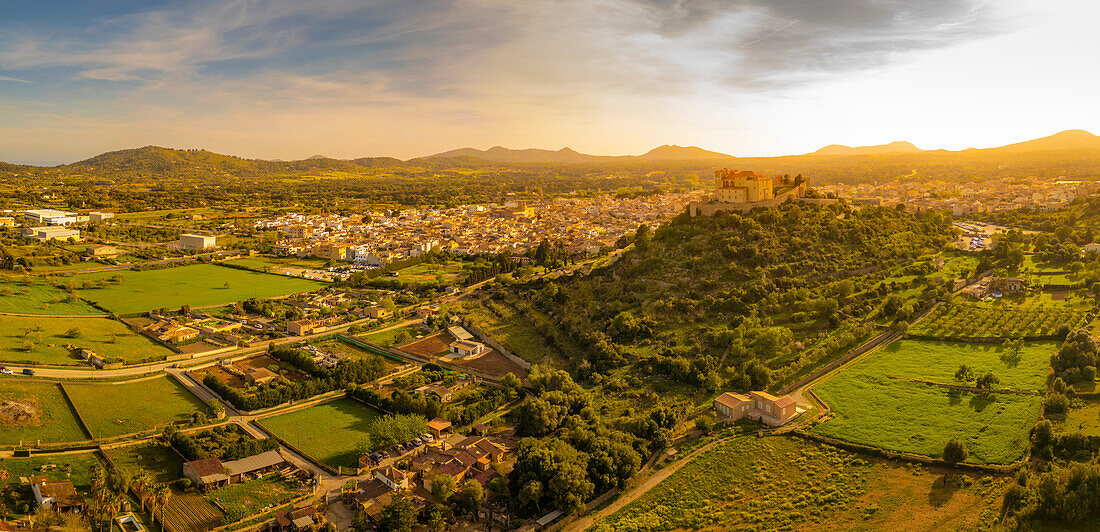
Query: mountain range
{"points": [[1075, 139], [154, 158]]}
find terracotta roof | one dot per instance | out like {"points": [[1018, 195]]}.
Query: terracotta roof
{"points": [[784, 401], [207, 467], [731, 399], [439, 424]]}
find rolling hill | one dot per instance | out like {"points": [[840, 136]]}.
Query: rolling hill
{"points": [[893, 147]]}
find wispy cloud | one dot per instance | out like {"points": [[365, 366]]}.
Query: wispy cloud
{"points": [[494, 62]]}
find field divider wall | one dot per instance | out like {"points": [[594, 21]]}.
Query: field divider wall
{"points": [[72, 405]]}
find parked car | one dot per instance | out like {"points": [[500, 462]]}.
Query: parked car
{"points": [[28, 371], [6, 371]]}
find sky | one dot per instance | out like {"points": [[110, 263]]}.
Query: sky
{"points": [[288, 79]]}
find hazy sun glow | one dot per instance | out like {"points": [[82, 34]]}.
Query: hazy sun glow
{"points": [[289, 79]]}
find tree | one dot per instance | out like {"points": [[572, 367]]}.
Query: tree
{"points": [[443, 486], [471, 495], [437, 518], [73, 333], [512, 384], [964, 374], [955, 451], [399, 515], [987, 381]]}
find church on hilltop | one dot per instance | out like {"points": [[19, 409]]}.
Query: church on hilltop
{"points": [[744, 190]]}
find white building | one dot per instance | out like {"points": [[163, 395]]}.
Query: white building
{"points": [[53, 217], [97, 216], [189, 241]]}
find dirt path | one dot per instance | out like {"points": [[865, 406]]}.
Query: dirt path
{"points": [[637, 491]]}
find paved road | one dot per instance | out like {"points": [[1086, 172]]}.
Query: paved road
{"points": [[88, 373]]}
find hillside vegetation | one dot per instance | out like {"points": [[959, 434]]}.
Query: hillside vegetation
{"points": [[740, 301]]}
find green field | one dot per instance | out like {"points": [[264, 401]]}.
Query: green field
{"points": [[790, 484], [996, 320], [388, 337], [72, 467], [327, 432], [430, 273], [871, 408], [159, 460], [249, 498], [17, 297], [48, 337], [50, 418], [114, 409], [198, 285]]}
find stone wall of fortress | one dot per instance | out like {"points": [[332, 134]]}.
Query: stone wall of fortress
{"points": [[706, 208]]}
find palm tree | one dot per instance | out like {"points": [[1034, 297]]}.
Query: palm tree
{"points": [[142, 483], [114, 504], [161, 494]]}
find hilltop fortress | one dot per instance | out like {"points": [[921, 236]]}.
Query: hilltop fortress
{"points": [[744, 190]]}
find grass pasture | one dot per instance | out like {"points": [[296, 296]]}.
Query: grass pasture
{"points": [[791, 484], [872, 408], [198, 285], [164, 464], [48, 337], [32, 411], [74, 467], [978, 320], [446, 273], [40, 298], [328, 432], [112, 409]]}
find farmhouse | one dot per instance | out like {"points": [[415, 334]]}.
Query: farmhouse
{"points": [[761, 406], [260, 376], [169, 331], [254, 466], [295, 520], [59, 495], [97, 250], [377, 312], [466, 348], [206, 473]]}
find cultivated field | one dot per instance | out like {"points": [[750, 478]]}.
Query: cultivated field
{"points": [[977, 320], [198, 285], [33, 297], [113, 409], [187, 512], [791, 484], [32, 410], [327, 432], [872, 406], [157, 459], [47, 337]]}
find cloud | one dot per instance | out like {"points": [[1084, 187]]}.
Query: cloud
{"points": [[17, 80], [491, 67]]}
